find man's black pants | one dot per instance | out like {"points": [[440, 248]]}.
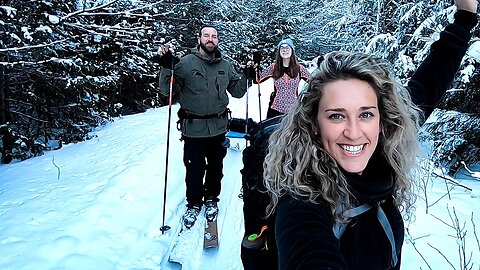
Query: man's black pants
{"points": [[203, 157]]}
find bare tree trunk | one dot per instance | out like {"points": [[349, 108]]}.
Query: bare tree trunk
{"points": [[3, 105], [6, 137], [379, 16]]}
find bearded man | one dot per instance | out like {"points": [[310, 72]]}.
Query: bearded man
{"points": [[202, 79]]}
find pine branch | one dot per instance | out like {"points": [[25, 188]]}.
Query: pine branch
{"points": [[126, 12], [83, 27], [35, 46], [11, 64], [30, 117], [111, 28]]}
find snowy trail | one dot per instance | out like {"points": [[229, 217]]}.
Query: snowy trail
{"points": [[230, 222], [98, 205], [106, 189], [189, 250]]}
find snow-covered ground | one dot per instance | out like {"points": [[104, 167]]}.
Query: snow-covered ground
{"points": [[98, 204]]}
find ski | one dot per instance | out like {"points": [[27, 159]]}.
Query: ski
{"points": [[210, 237], [186, 242], [186, 245]]}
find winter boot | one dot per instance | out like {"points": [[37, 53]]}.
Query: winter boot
{"points": [[211, 209], [191, 215]]}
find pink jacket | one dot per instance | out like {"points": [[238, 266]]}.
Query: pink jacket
{"points": [[286, 88]]}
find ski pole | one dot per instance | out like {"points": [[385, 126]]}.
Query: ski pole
{"points": [[164, 227], [257, 57], [246, 108]]}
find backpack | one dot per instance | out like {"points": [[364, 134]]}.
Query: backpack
{"points": [[260, 251]]}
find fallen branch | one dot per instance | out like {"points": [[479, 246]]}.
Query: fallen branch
{"points": [[30, 117], [58, 168], [452, 181], [472, 173]]}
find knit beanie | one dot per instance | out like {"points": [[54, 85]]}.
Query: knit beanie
{"points": [[287, 41]]}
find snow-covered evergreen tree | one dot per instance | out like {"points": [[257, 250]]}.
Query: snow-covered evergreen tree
{"points": [[67, 66]]}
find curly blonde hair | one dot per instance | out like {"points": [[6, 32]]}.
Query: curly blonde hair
{"points": [[297, 163]]}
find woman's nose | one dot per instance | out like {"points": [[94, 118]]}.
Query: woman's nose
{"points": [[352, 130]]}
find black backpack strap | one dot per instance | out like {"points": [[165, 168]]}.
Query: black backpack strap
{"points": [[182, 114]]}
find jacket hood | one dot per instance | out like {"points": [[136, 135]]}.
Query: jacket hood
{"points": [[217, 56]]}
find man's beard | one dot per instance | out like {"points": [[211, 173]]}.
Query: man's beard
{"points": [[207, 49]]}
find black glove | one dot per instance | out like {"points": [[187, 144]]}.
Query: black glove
{"points": [[257, 58], [249, 73], [167, 59]]}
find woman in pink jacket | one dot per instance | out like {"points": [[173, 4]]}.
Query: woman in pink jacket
{"points": [[286, 73]]}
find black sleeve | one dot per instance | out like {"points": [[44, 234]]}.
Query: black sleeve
{"points": [[305, 238], [436, 73]]}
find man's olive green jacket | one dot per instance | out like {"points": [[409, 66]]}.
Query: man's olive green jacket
{"points": [[203, 84]]}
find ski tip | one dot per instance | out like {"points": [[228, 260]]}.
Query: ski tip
{"points": [[210, 237]]}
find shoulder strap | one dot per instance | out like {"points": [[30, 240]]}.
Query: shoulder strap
{"points": [[339, 228], [388, 231]]}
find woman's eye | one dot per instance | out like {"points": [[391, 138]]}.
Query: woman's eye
{"points": [[366, 115], [335, 116]]}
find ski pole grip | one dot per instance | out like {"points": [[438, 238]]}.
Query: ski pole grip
{"points": [[257, 57]]}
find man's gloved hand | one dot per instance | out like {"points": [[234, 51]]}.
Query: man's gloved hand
{"points": [[165, 57], [167, 60], [249, 72]]}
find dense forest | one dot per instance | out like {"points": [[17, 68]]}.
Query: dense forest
{"points": [[69, 66]]}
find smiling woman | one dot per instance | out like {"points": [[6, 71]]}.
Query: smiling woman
{"points": [[287, 74], [348, 122], [346, 153]]}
